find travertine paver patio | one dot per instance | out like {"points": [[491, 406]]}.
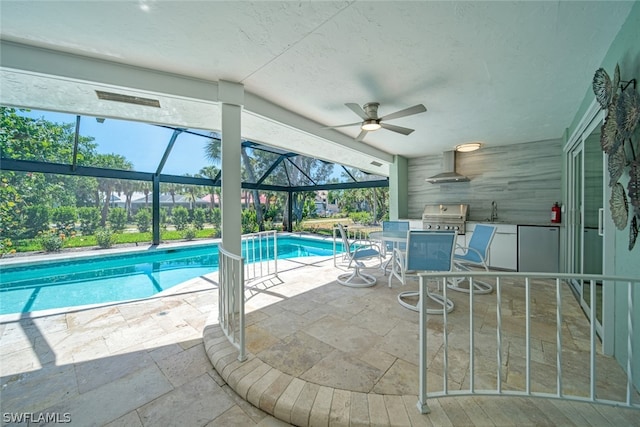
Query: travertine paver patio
{"points": [[132, 364], [322, 353], [317, 358]]}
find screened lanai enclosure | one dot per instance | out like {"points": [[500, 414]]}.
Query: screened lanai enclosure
{"points": [[79, 174]]}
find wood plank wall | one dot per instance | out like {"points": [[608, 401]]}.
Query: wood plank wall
{"points": [[523, 179]]}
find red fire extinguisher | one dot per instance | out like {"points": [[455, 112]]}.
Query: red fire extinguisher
{"points": [[555, 213]]}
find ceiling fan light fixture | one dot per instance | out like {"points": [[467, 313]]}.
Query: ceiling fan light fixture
{"points": [[370, 125], [468, 147]]}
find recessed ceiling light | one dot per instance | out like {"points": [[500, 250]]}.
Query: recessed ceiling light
{"points": [[144, 5], [470, 146]]}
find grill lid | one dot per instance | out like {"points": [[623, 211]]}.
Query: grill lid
{"points": [[443, 212]]}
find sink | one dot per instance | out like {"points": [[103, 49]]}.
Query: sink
{"points": [[488, 221]]}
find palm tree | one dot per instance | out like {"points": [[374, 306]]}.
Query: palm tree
{"points": [[172, 188], [146, 189], [212, 151], [252, 178], [192, 190], [108, 185], [128, 187], [211, 172]]}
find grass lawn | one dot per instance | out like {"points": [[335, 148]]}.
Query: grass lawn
{"points": [[322, 226]]}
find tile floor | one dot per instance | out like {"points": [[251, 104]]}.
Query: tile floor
{"points": [[131, 364], [324, 354], [352, 352]]}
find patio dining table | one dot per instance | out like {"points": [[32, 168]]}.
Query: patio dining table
{"points": [[392, 236], [388, 236]]}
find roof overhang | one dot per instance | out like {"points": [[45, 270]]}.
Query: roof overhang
{"points": [[33, 77]]}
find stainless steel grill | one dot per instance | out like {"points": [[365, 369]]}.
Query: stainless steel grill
{"points": [[445, 217]]}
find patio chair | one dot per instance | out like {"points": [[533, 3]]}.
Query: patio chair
{"points": [[394, 226], [427, 251], [356, 252], [474, 256]]}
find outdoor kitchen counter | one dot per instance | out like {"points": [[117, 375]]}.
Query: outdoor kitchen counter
{"points": [[515, 223], [503, 253], [416, 223]]}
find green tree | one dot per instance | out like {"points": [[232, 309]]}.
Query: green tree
{"points": [[10, 206], [248, 164], [108, 186], [37, 220], [305, 171], [211, 172], [117, 219], [216, 217], [64, 218], [37, 139], [172, 189], [164, 215], [145, 187], [180, 216], [89, 219], [249, 221], [294, 170], [199, 218], [192, 191], [40, 140], [374, 200], [127, 187], [143, 220]]}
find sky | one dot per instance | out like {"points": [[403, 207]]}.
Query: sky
{"points": [[140, 143], [143, 144]]}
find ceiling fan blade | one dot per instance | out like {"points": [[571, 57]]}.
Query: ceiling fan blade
{"points": [[399, 129], [361, 135], [342, 126], [406, 112], [358, 110]]}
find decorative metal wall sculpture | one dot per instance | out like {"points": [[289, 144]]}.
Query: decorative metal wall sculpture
{"points": [[622, 102]]}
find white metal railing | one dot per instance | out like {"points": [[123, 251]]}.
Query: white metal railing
{"points": [[260, 262], [260, 252], [579, 380], [231, 299]]}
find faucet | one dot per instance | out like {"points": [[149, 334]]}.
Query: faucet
{"points": [[494, 211]]}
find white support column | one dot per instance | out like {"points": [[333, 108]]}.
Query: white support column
{"points": [[399, 188], [231, 96]]}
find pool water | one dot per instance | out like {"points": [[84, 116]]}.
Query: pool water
{"points": [[124, 277]]}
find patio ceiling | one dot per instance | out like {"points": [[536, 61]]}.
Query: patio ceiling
{"points": [[498, 72]]}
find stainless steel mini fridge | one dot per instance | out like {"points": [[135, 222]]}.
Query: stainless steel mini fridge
{"points": [[538, 248]]}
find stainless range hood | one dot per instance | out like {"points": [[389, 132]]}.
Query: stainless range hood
{"points": [[449, 173]]}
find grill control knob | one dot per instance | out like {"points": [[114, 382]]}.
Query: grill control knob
{"points": [[428, 226], [437, 227], [456, 228], [446, 227]]}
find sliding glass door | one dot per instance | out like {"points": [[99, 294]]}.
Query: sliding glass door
{"points": [[585, 230]]}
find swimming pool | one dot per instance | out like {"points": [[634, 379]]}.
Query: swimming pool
{"points": [[110, 278]]}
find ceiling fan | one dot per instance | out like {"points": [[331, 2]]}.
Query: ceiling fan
{"points": [[369, 113]]}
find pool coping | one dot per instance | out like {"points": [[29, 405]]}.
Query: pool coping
{"points": [[51, 257]]}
